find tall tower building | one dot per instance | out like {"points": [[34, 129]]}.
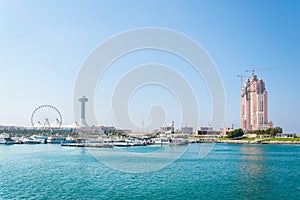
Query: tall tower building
{"points": [[83, 101], [254, 105]]}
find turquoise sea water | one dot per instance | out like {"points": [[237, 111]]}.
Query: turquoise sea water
{"points": [[228, 172]]}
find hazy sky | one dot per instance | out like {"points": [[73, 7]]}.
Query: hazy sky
{"points": [[44, 43]]}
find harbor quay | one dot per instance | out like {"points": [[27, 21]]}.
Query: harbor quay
{"points": [[106, 137]]}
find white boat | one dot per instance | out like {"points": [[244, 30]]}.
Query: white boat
{"points": [[69, 140], [42, 139], [171, 141], [123, 142], [162, 141], [56, 140], [31, 140], [179, 141], [6, 139]]}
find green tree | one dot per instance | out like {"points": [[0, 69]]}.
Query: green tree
{"points": [[275, 130], [236, 133], [270, 131]]}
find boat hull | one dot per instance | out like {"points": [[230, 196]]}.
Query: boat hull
{"points": [[7, 141]]}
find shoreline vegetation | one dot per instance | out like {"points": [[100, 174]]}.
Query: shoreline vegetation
{"points": [[238, 136], [260, 141], [268, 136]]}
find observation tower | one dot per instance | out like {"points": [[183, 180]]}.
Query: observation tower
{"points": [[83, 101]]}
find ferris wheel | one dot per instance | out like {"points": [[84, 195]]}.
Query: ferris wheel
{"points": [[46, 117]]}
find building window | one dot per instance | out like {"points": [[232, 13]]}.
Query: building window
{"points": [[261, 119], [260, 103]]}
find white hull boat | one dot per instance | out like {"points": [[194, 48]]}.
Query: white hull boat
{"points": [[6, 139]]}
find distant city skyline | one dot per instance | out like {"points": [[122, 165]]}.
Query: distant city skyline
{"points": [[43, 46]]}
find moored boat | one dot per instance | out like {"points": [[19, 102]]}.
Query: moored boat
{"points": [[42, 139], [170, 141], [31, 140], [161, 141], [56, 140], [69, 140], [179, 141], [6, 139]]}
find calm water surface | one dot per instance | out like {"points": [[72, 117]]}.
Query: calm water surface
{"points": [[228, 172]]}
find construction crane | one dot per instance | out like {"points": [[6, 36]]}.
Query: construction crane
{"points": [[242, 76], [254, 70]]}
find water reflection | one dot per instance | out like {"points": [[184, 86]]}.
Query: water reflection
{"points": [[253, 171]]}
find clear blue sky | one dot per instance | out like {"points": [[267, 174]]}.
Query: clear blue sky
{"points": [[44, 43]]}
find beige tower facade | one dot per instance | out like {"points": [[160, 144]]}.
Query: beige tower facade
{"points": [[254, 105]]}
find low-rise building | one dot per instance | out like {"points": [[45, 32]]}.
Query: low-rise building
{"points": [[224, 131], [206, 130], [286, 135], [186, 130]]}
